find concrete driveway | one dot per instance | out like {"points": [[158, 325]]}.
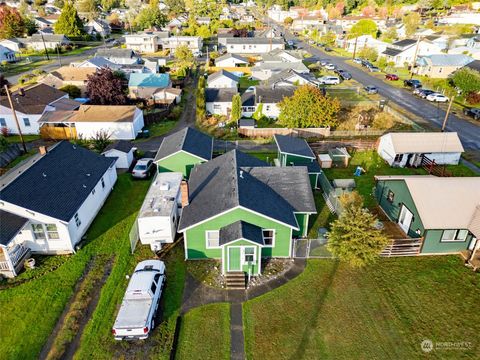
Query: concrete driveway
{"points": [[469, 133]]}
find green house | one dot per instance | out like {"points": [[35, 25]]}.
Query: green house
{"points": [[294, 151], [443, 211], [182, 150], [241, 210]]}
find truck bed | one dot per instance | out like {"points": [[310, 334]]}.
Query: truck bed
{"points": [[133, 314]]}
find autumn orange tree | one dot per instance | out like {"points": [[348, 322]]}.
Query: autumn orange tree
{"points": [[308, 107], [11, 22]]}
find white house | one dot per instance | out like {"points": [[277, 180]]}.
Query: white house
{"points": [[468, 18], [15, 45], [123, 151], [289, 77], [40, 41], [121, 122], [146, 42], [282, 55], [253, 45], [409, 149], [119, 56], [403, 52], [267, 98], [96, 62], [30, 103], [194, 43], [277, 14], [363, 41], [49, 202], [231, 60], [219, 101], [94, 27], [222, 79], [306, 22], [7, 54], [264, 71]]}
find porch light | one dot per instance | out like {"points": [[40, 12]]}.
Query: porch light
{"points": [[418, 231]]}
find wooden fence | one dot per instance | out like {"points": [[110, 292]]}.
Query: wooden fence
{"points": [[156, 117], [245, 70], [58, 133]]}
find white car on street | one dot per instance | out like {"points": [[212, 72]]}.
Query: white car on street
{"points": [[329, 80], [436, 97], [330, 67], [136, 317]]}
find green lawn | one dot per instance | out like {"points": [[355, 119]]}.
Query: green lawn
{"points": [[375, 165], [244, 83], [23, 67], [205, 333], [333, 311], [26, 138], [349, 95], [35, 306], [264, 156], [20, 158], [159, 129], [322, 218]]}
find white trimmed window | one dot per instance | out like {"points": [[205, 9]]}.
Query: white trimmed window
{"points": [[268, 237], [454, 235], [248, 255], [52, 231], [38, 232], [213, 239]]}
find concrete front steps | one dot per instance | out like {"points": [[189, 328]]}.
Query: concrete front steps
{"points": [[236, 280]]}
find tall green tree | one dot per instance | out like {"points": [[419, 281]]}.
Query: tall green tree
{"points": [[467, 80], [236, 113], [11, 22], [68, 22], [411, 22], [89, 8], [150, 16], [364, 27], [175, 7], [308, 107], [353, 236], [184, 54]]}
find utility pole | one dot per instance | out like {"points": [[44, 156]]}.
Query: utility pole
{"points": [[44, 46], [15, 117], [355, 47], [415, 57], [58, 55], [448, 113]]}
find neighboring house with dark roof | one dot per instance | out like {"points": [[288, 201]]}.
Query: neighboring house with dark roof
{"points": [[181, 151], [122, 151], [231, 60], [265, 70], [219, 101], [97, 62], [442, 213], [294, 151], [120, 122], [441, 66], [282, 55], [269, 97], [474, 65], [69, 75], [50, 41], [241, 210], [253, 45], [222, 79], [290, 77], [49, 202], [142, 85], [403, 52], [100, 27], [30, 104]]}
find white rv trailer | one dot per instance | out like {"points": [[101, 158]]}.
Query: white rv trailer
{"points": [[160, 212]]}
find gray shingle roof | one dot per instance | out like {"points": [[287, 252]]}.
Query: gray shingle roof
{"points": [[474, 65], [404, 42], [120, 145], [34, 99], [189, 140], [241, 230], [236, 179], [445, 60], [10, 225], [221, 73], [267, 95], [234, 56], [116, 53], [219, 95], [59, 182], [391, 52], [253, 40], [293, 145]]}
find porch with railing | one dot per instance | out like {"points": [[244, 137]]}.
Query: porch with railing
{"points": [[11, 261]]}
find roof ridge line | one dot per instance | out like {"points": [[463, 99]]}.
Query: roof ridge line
{"points": [[184, 137], [235, 169]]}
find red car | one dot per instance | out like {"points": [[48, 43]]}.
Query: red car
{"points": [[391, 77]]}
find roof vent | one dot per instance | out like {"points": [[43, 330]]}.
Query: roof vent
{"points": [[84, 186], [21, 92], [241, 174], [88, 174], [164, 186], [44, 175]]}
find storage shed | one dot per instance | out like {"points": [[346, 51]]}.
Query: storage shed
{"points": [[123, 151]]}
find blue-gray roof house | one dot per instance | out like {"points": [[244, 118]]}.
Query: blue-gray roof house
{"points": [[143, 85], [49, 201], [441, 65]]}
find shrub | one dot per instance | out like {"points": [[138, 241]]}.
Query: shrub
{"points": [[473, 98], [72, 91], [5, 132], [3, 143]]}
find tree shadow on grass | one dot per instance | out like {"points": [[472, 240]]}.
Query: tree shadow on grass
{"points": [[312, 321]]}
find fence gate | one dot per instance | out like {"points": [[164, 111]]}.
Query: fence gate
{"points": [[133, 235], [311, 248]]}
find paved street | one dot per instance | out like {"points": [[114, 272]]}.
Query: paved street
{"points": [[468, 132]]}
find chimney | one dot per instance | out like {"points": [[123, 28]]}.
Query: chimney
{"points": [[184, 190], [21, 92], [42, 150]]}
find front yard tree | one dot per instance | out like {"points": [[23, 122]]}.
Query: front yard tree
{"points": [[411, 22], [68, 22], [368, 53], [288, 21], [467, 80], [104, 88], [72, 91], [11, 22], [353, 237], [364, 27], [308, 107], [236, 108], [151, 16], [183, 53]]}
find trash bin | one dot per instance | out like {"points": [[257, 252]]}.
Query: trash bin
{"points": [[146, 133]]}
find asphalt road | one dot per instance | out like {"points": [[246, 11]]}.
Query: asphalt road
{"points": [[433, 113]]}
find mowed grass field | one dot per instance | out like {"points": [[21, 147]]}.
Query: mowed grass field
{"points": [[205, 333], [385, 311]]}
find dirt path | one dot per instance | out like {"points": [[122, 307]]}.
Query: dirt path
{"points": [[72, 346]]}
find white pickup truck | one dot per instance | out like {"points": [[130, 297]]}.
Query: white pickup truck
{"points": [[136, 317]]}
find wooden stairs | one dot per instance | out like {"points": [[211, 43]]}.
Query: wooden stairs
{"points": [[402, 247], [236, 280]]}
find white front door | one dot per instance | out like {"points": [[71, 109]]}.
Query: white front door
{"points": [[405, 219]]}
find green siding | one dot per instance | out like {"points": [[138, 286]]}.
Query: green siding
{"points": [[302, 220], [179, 162], [254, 268], [402, 195], [196, 241], [234, 258], [313, 179], [432, 243]]}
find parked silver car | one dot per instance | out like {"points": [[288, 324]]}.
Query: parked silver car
{"points": [[144, 168]]}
